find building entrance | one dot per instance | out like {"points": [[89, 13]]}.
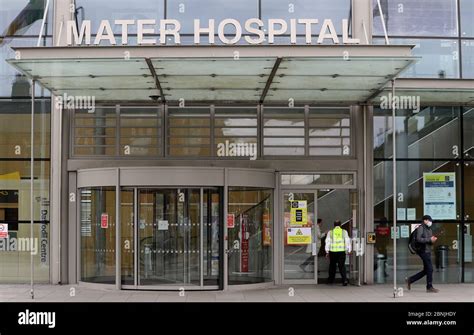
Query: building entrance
{"points": [[310, 204], [176, 237]]}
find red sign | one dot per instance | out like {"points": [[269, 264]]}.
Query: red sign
{"points": [[244, 245], [3, 230], [382, 231], [104, 220], [230, 220]]}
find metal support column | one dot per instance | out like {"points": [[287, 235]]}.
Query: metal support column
{"points": [[226, 242], [201, 237], [118, 231], [32, 180], [394, 172]]}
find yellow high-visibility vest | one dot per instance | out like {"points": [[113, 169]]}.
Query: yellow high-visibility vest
{"points": [[337, 240]]}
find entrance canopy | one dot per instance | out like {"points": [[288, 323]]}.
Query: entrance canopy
{"points": [[436, 92], [340, 74]]}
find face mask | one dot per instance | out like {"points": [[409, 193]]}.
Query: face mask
{"points": [[429, 223]]}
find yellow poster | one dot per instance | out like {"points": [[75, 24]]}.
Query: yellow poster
{"points": [[299, 236], [299, 213], [10, 176]]}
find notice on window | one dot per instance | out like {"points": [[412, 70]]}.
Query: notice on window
{"points": [[405, 231], [299, 236], [402, 214], [104, 221], [163, 224], [3, 230], [397, 232], [439, 195], [411, 214], [230, 220], [298, 213]]}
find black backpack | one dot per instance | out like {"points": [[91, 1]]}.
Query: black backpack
{"points": [[413, 246]]}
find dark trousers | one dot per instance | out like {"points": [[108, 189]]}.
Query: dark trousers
{"points": [[338, 258], [427, 270]]}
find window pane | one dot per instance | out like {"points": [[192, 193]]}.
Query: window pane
{"points": [[235, 132], [336, 10], [15, 211], [95, 134], [253, 214], [97, 10], [15, 120], [329, 132], [469, 132], [468, 59], [12, 11], [186, 11], [283, 132], [97, 206], [439, 58], [140, 131], [467, 15], [410, 183], [469, 191], [431, 133], [448, 271], [189, 132], [416, 17], [288, 151], [318, 179]]}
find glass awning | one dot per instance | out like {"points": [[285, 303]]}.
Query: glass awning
{"points": [[253, 74], [450, 92]]}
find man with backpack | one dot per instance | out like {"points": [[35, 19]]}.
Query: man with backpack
{"points": [[421, 241]]}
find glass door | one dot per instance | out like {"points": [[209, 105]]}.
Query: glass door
{"points": [[339, 205], [299, 237], [177, 237]]}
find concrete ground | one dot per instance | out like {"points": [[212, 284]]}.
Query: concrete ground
{"points": [[289, 293]]}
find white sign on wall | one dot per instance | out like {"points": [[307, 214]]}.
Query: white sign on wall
{"points": [[439, 195]]}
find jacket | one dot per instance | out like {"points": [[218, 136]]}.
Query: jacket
{"points": [[347, 241], [423, 238]]}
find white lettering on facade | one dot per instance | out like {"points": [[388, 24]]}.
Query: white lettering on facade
{"points": [[252, 30]]}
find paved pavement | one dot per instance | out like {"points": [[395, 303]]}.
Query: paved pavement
{"points": [[294, 293]]}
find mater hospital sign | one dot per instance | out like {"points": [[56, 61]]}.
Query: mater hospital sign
{"points": [[229, 31]]}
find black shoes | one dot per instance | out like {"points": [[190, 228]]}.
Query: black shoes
{"points": [[408, 283], [432, 290]]}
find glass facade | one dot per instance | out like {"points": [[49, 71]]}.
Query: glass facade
{"points": [[433, 27], [435, 139], [428, 141], [15, 179], [222, 132], [439, 57], [20, 24]]}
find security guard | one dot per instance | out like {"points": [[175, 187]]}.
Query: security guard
{"points": [[337, 244]]}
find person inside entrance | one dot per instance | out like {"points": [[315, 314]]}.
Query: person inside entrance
{"points": [[338, 244]]}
